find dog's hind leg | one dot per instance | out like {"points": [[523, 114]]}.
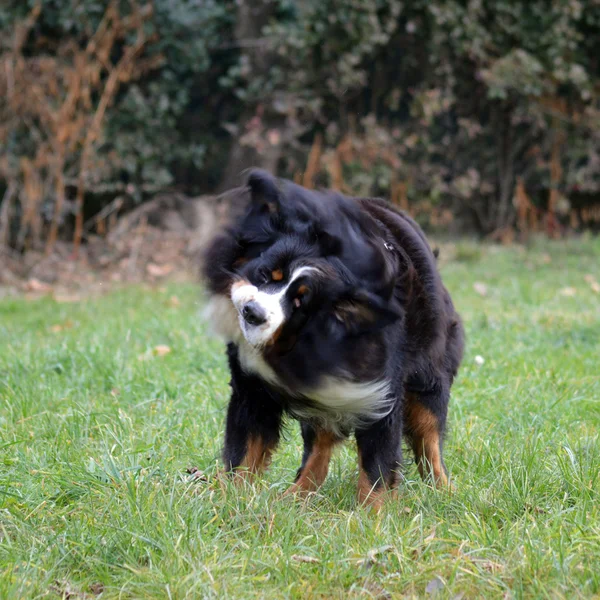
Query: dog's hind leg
{"points": [[253, 421], [424, 422], [318, 447]]}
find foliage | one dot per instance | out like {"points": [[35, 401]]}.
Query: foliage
{"points": [[471, 95], [481, 110], [92, 97], [98, 424]]}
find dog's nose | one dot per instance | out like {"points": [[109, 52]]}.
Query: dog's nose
{"points": [[254, 314]]}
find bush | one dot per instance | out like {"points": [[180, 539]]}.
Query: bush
{"points": [[488, 112]]}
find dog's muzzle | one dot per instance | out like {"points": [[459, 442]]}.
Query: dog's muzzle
{"points": [[254, 314]]}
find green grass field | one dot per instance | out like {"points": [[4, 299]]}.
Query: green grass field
{"points": [[98, 427]]}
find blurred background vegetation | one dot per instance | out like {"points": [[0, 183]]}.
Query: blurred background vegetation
{"points": [[474, 115]]}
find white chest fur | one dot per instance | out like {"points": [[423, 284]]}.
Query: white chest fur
{"points": [[338, 402]]}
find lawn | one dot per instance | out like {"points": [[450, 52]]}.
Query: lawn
{"points": [[99, 423]]}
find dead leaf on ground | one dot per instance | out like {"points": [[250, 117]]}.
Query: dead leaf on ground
{"points": [[568, 292], [158, 270], [304, 559], [197, 474], [435, 585], [173, 301], [375, 552], [594, 285], [66, 592], [96, 588], [67, 298], [160, 350], [375, 590], [68, 324], [372, 555], [491, 566], [480, 288], [37, 286], [429, 538]]}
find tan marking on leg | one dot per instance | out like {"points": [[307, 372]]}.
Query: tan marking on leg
{"points": [[423, 430], [316, 468], [257, 458], [369, 494]]}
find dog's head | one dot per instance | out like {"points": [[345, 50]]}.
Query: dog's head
{"points": [[332, 224], [291, 285], [301, 272]]}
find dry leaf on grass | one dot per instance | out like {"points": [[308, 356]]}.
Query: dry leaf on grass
{"points": [[66, 592], [68, 324], [197, 474], [568, 292], [161, 350], [480, 288], [594, 285], [37, 286], [96, 588], [429, 538], [173, 301], [373, 554], [376, 591], [490, 566], [158, 270], [67, 298], [435, 585], [304, 559]]}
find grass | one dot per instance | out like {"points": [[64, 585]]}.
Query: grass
{"points": [[97, 429]]}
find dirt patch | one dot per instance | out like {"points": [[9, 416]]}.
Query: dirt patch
{"points": [[161, 240]]}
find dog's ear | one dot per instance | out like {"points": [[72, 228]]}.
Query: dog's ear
{"points": [[363, 311], [330, 245], [264, 191]]}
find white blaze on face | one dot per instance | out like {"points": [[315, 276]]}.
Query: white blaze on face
{"points": [[272, 303]]}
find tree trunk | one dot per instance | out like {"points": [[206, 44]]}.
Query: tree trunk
{"points": [[258, 141], [506, 173]]}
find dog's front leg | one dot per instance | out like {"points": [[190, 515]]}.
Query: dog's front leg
{"points": [[318, 447], [253, 420], [379, 457]]}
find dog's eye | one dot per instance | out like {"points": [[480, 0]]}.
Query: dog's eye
{"points": [[264, 276], [302, 296]]}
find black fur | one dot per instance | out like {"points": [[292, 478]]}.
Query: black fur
{"points": [[373, 309]]}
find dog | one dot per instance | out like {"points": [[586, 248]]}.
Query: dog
{"points": [[334, 313]]}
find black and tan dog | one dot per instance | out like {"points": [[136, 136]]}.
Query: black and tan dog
{"points": [[334, 313]]}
